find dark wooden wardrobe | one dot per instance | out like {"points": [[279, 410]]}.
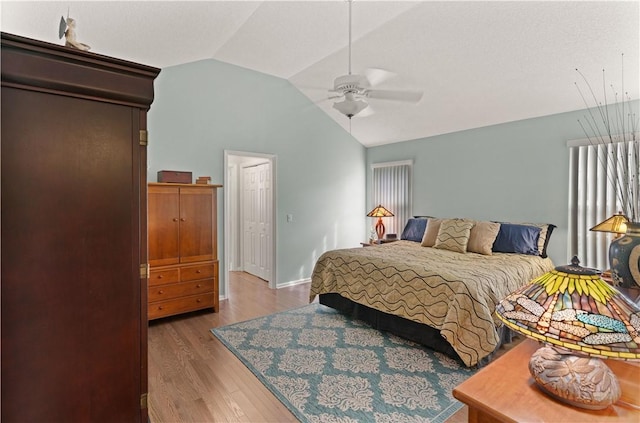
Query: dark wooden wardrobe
{"points": [[74, 259]]}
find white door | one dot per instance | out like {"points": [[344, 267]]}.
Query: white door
{"points": [[257, 220]]}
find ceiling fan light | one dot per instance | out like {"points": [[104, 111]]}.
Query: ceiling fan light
{"points": [[350, 108]]}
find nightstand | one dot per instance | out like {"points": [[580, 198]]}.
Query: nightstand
{"points": [[504, 391], [378, 242]]}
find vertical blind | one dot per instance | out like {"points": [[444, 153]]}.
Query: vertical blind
{"points": [[593, 179], [392, 189]]}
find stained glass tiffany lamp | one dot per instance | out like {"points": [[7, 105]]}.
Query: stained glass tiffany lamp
{"points": [[581, 318], [380, 212]]}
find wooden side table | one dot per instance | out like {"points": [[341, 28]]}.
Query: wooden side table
{"points": [[378, 242], [504, 391], [631, 293]]}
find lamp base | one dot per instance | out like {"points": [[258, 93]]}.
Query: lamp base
{"points": [[624, 258], [380, 229], [584, 382]]}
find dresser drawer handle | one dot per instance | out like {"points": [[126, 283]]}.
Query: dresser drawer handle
{"points": [[198, 300], [161, 292], [198, 286], [198, 271], [175, 219], [160, 308], [160, 276]]}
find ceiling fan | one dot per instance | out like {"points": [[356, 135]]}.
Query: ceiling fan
{"points": [[355, 89]]}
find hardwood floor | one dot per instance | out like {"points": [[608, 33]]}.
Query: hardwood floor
{"points": [[194, 378]]}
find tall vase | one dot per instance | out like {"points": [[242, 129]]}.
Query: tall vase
{"points": [[624, 257]]}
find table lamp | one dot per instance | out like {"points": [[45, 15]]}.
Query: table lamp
{"points": [[582, 319], [618, 261], [380, 212]]}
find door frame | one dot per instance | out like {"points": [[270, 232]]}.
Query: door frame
{"points": [[232, 189]]}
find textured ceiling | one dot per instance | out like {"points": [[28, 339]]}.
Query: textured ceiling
{"points": [[478, 63]]}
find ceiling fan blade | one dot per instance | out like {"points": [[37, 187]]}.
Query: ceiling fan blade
{"points": [[408, 96], [327, 95], [377, 76]]}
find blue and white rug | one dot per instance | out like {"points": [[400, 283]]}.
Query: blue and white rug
{"points": [[326, 367]]}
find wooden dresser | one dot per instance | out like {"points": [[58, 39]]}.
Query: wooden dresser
{"points": [[183, 253], [74, 269]]}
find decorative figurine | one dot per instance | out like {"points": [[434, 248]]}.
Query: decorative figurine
{"points": [[68, 29]]}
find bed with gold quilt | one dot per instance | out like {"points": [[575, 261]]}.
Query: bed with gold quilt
{"points": [[446, 298]]}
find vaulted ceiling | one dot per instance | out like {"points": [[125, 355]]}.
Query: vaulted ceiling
{"points": [[478, 63]]}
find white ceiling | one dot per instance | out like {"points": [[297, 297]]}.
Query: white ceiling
{"points": [[479, 63]]}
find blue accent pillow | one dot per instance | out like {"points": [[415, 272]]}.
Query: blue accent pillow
{"points": [[519, 239], [414, 230]]}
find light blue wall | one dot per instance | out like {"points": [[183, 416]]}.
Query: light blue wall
{"points": [[203, 108], [517, 171]]}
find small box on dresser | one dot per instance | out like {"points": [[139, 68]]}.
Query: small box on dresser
{"points": [[175, 177]]}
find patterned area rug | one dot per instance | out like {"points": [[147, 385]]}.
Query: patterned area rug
{"points": [[326, 367]]}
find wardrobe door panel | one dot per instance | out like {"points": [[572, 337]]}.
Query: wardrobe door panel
{"points": [[196, 226], [71, 286], [164, 225]]}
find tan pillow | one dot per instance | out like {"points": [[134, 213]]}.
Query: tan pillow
{"points": [[482, 237], [431, 232], [453, 235]]}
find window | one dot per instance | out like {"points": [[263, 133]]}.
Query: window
{"points": [[392, 189], [593, 172]]}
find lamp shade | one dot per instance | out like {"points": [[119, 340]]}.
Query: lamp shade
{"points": [[572, 307], [380, 212], [615, 224]]}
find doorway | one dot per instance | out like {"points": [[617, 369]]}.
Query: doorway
{"points": [[249, 215]]}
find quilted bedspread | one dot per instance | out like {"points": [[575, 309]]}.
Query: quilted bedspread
{"points": [[453, 292]]}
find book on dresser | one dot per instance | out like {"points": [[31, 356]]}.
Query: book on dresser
{"points": [[183, 253]]}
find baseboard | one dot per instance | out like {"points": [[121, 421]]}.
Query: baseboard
{"points": [[293, 283]]}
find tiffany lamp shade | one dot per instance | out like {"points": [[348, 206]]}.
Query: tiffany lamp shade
{"points": [[380, 212], [582, 319]]}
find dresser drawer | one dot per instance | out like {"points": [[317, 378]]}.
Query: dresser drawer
{"points": [[191, 273], [161, 277], [181, 305], [168, 292]]}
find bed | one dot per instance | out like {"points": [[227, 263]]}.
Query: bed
{"points": [[440, 297]]}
